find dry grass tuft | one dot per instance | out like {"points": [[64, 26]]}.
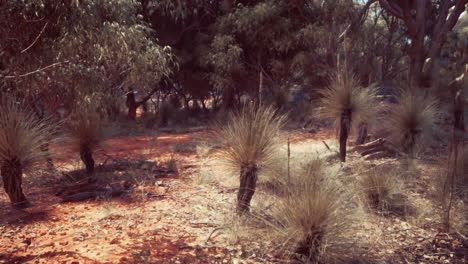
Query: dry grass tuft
{"points": [[412, 120], [249, 136], [379, 188], [311, 218], [345, 94], [22, 135]]}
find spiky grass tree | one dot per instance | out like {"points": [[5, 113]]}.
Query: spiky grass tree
{"points": [[412, 120], [310, 219], [85, 126], [22, 137], [347, 103], [249, 139]]}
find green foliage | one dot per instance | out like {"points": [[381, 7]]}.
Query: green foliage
{"points": [[94, 47]]}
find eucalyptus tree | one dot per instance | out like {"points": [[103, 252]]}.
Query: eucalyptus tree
{"points": [[427, 25], [60, 50]]}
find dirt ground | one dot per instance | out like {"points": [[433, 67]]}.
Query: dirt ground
{"points": [[169, 219]]}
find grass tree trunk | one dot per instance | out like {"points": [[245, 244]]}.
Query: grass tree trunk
{"points": [[86, 156], [12, 174], [310, 246], [248, 183], [345, 122]]}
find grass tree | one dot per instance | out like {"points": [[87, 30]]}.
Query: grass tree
{"points": [[347, 103], [249, 139], [311, 218], [412, 120], [22, 137], [85, 127]]}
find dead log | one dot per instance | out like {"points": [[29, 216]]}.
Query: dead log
{"points": [[379, 155], [374, 150], [369, 145]]}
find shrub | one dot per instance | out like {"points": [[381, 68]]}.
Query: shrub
{"points": [[248, 141], [310, 219], [412, 120], [347, 103], [85, 127], [22, 141]]}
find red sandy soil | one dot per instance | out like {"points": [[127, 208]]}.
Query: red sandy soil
{"points": [[132, 229], [170, 228]]}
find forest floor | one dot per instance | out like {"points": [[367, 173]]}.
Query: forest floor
{"points": [[169, 218]]}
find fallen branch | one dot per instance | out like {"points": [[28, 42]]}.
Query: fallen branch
{"points": [[212, 232]]}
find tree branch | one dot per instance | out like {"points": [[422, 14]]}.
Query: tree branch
{"points": [[356, 21], [394, 10], [36, 39], [36, 71], [147, 97]]}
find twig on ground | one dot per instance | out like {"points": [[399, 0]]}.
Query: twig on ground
{"points": [[326, 145], [212, 232]]}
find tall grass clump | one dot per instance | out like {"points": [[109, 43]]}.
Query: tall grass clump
{"points": [[412, 120], [248, 141], [347, 103], [22, 141], [379, 188], [311, 219], [85, 127]]}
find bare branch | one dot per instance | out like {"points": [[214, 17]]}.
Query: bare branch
{"points": [[36, 39], [356, 21], [36, 71]]}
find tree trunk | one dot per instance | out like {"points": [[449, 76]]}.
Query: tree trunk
{"points": [[311, 245], [86, 156], [131, 105], [248, 182], [344, 131], [362, 134], [416, 62], [12, 174]]}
